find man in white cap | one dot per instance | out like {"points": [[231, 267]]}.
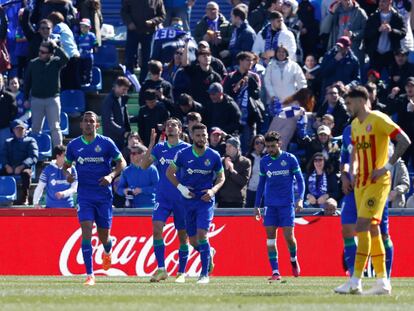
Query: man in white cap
{"points": [[87, 45]]}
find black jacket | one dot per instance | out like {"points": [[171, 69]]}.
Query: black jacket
{"points": [[163, 85], [340, 115], [8, 109], [405, 118], [149, 119], [225, 115], [372, 34], [115, 120], [140, 11], [21, 151], [182, 116]]}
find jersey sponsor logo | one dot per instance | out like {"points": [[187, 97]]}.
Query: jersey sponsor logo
{"points": [[363, 146], [81, 160], [55, 182], [198, 171], [98, 149], [278, 173], [164, 160]]}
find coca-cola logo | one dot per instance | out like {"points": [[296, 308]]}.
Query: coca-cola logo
{"points": [[131, 255]]}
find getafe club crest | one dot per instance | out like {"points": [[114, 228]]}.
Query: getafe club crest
{"points": [[207, 162], [283, 163], [98, 149]]}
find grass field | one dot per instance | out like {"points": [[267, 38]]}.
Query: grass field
{"points": [[119, 294]]}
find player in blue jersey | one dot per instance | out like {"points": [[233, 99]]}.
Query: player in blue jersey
{"points": [[93, 155], [167, 197], [278, 172], [59, 192], [349, 215], [193, 172]]}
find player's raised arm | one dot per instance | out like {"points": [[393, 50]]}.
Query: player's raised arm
{"points": [[147, 160]]}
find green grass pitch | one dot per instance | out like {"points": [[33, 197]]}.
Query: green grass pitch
{"points": [[224, 293]]}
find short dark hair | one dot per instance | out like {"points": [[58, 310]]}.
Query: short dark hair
{"points": [[358, 92], [56, 17], [243, 55], [275, 15], [46, 21], [49, 45], [194, 116], [155, 67], [239, 11], [59, 150], [90, 112], [371, 87], [199, 126], [185, 99], [122, 81], [272, 136], [176, 120]]}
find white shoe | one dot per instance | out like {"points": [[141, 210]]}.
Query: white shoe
{"points": [[381, 287], [180, 278], [353, 288], [203, 280]]}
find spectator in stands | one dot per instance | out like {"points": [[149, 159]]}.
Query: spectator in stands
{"points": [[400, 184], [216, 63], [272, 36], [91, 9], [69, 77], [375, 77], [8, 113], [283, 76], [373, 98], [178, 9], [21, 154], [138, 185], [335, 106], [222, 111], [196, 78], [308, 27], [156, 82], [292, 22], [186, 104], [23, 109], [65, 7], [323, 143], [170, 69], [243, 85], [322, 183], [330, 208], [115, 119], [167, 40], [5, 64], [151, 116], [237, 171], [42, 86], [59, 192], [340, 64], [35, 38], [217, 140], [403, 107], [213, 28], [328, 120], [260, 16], [346, 18], [383, 34], [255, 154], [243, 35], [400, 70], [142, 19], [312, 71], [87, 45], [410, 202], [132, 140], [193, 118]]}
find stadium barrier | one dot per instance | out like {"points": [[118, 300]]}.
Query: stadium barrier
{"points": [[47, 242]]}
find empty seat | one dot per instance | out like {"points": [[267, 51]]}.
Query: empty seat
{"points": [[73, 102], [96, 83], [64, 124], [8, 190], [44, 142]]}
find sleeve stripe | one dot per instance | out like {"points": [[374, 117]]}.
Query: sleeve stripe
{"points": [[68, 161], [296, 170], [395, 133], [118, 157], [261, 174], [220, 171], [174, 164]]}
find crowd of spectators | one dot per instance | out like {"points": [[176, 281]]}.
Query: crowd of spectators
{"points": [[274, 65]]}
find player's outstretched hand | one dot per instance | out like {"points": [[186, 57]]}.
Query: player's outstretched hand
{"points": [[208, 195], [153, 138], [299, 206], [378, 173], [257, 213], [105, 181]]}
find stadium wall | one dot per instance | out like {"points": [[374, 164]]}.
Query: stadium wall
{"points": [[47, 242]]}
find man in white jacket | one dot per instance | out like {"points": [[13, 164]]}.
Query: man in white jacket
{"points": [[273, 35]]}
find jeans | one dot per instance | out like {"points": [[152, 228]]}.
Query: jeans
{"points": [[49, 107], [131, 52]]}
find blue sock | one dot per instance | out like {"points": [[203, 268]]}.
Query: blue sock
{"points": [[204, 249], [389, 255], [108, 246], [350, 248], [273, 261], [293, 251], [87, 255], [182, 257], [159, 250]]}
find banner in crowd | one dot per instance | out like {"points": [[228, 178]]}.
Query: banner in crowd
{"points": [[50, 245]]}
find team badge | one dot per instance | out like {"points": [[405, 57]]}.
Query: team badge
{"points": [[283, 163], [207, 162], [369, 128], [98, 149], [371, 203]]}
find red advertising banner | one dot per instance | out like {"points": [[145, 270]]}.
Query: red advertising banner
{"points": [[44, 245]]}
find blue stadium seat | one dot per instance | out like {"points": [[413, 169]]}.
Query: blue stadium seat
{"points": [[44, 143], [96, 84], [8, 189], [64, 124], [107, 56], [411, 191], [73, 102]]}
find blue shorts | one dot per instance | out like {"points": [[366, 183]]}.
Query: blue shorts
{"points": [[99, 211], [199, 215], [349, 213], [165, 207], [279, 216]]}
